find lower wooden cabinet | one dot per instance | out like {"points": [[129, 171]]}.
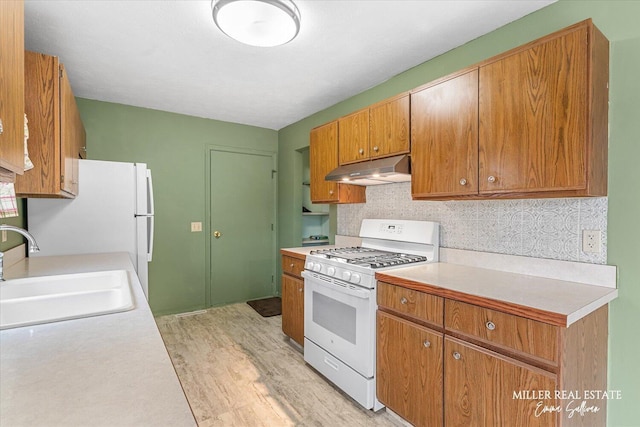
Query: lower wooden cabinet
{"points": [[480, 367], [293, 308], [409, 370], [484, 388]]}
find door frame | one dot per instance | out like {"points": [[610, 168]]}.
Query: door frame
{"points": [[207, 226]]}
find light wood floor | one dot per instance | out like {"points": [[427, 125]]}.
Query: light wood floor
{"points": [[238, 369]]}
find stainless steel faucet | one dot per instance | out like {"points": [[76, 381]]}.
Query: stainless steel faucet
{"points": [[33, 246]]}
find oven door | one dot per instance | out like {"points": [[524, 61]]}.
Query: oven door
{"points": [[340, 318]]}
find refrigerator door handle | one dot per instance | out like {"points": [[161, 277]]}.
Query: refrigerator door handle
{"points": [[150, 193], [150, 226]]}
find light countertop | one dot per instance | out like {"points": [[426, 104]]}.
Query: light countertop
{"points": [[551, 291], [110, 370], [558, 302]]}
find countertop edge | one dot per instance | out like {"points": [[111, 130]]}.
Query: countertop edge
{"points": [[556, 319], [534, 313]]}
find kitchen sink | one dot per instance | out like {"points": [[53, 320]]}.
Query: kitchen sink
{"points": [[36, 300]]}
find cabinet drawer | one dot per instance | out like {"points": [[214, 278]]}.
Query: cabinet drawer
{"points": [[292, 266], [422, 306], [503, 330]]}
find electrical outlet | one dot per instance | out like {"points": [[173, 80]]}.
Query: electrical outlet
{"points": [[4, 236], [196, 226], [591, 241]]}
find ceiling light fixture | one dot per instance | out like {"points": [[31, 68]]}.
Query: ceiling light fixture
{"points": [[263, 23]]}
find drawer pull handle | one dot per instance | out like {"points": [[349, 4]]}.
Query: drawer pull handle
{"points": [[427, 343], [331, 364], [456, 355], [463, 181], [403, 300], [490, 325], [491, 178]]}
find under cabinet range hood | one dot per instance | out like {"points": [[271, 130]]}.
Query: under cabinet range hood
{"points": [[373, 172]]}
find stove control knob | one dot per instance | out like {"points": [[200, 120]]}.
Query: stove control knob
{"points": [[346, 275], [355, 278], [309, 266], [331, 271], [317, 267]]}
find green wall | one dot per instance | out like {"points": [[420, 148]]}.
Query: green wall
{"points": [[618, 20], [175, 148]]}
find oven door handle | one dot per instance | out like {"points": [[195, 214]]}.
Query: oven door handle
{"points": [[358, 293]]}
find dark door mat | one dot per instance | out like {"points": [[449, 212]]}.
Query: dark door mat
{"points": [[267, 307]]}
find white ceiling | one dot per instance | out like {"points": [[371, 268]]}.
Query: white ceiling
{"points": [[169, 55]]}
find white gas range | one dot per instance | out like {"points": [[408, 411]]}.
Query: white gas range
{"points": [[340, 300]]}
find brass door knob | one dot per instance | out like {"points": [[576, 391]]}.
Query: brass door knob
{"points": [[217, 234]]}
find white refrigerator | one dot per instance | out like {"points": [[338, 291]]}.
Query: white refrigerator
{"points": [[113, 212]]}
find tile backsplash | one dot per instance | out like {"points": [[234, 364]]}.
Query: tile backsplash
{"points": [[541, 228]]}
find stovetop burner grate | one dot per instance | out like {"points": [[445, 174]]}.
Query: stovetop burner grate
{"points": [[367, 257]]}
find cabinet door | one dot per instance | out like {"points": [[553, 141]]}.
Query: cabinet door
{"points": [[409, 370], [483, 388], [323, 158], [72, 135], [42, 105], [293, 308], [533, 118], [444, 138], [389, 128], [353, 137], [12, 86]]}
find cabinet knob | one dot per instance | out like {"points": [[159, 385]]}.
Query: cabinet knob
{"points": [[456, 355], [463, 181], [291, 265], [1, 128], [490, 325], [361, 151], [491, 178], [375, 148], [299, 289], [427, 343], [403, 300], [331, 192]]}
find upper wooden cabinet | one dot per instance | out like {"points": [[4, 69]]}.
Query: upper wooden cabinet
{"points": [[543, 116], [11, 89], [531, 122], [323, 158], [353, 137], [389, 127], [444, 137], [380, 130], [57, 137]]}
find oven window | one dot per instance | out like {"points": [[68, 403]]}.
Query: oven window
{"points": [[335, 316]]}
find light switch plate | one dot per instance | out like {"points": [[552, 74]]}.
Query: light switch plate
{"points": [[196, 227]]}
